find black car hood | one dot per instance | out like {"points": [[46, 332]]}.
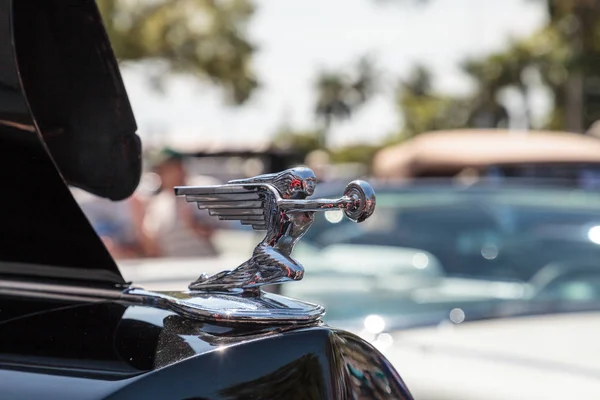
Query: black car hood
{"points": [[64, 119], [60, 349]]}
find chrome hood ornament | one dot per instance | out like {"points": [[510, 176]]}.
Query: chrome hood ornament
{"points": [[278, 204]]}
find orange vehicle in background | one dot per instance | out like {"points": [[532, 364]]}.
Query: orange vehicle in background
{"points": [[493, 153]]}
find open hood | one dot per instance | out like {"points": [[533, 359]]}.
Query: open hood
{"points": [[64, 119]]}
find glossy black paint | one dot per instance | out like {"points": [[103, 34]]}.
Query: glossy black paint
{"points": [[118, 351], [72, 84], [66, 96], [64, 117]]}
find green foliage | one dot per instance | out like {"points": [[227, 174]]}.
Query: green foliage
{"points": [[544, 52], [205, 38], [302, 142], [360, 153], [566, 55], [577, 24], [340, 93], [305, 142], [423, 110]]}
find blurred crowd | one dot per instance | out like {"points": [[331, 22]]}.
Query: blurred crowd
{"points": [[153, 222]]}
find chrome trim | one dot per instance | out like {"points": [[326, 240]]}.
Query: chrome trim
{"points": [[35, 289], [262, 308], [278, 204], [231, 307]]}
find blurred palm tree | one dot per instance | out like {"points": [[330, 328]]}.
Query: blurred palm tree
{"points": [[576, 23], [424, 110], [565, 53], [301, 141], [339, 94], [204, 38]]}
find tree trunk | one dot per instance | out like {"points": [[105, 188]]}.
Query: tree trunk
{"points": [[574, 103]]}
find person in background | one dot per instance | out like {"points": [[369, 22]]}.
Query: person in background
{"points": [[174, 227], [117, 223]]}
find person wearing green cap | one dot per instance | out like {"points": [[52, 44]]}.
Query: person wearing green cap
{"points": [[175, 229]]}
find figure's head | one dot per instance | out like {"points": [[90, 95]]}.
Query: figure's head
{"points": [[299, 182]]}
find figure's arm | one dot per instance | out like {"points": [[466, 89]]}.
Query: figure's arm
{"points": [[341, 203]]}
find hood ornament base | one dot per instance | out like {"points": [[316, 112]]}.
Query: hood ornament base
{"points": [[278, 204], [235, 308]]}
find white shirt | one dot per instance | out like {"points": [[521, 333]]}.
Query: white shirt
{"points": [[165, 221]]}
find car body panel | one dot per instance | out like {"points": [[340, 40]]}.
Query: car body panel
{"points": [[536, 357], [113, 350]]}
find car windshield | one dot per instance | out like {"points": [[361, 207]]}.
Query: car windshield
{"points": [[446, 252]]}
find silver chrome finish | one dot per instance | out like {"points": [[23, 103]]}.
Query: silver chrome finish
{"points": [[58, 291], [263, 308], [259, 308], [278, 204]]}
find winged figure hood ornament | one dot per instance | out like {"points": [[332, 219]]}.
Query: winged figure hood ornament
{"points": [[280, 205]]}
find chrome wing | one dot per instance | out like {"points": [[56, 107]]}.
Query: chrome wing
{"points": [[251, 204]]}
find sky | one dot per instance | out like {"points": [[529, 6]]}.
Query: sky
{"points": [[298, 38]]}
